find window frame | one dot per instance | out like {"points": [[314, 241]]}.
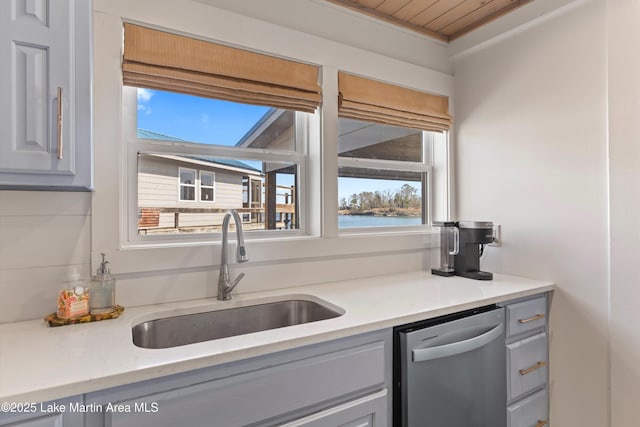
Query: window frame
{"points": [[212, 186], [133, 146], [115, 190], [425, 168], [194, 185], [116, 146]]}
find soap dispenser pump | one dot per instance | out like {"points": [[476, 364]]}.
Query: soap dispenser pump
{"points": [[102, 292]]}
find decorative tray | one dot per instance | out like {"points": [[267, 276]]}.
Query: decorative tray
{"points": [[54, 320]]}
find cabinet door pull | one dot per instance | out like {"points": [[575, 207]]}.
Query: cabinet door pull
{"points": [[531, 319], [533, 368], [59, 123], [541, 423]]}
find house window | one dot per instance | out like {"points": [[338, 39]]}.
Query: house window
{"points": [[187, 185], [382, 175], [385, 144], [243, 131], [230, 112], [207, 186], [227, 156]]}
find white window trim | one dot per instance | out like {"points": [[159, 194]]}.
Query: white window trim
{"points": [[194, 185], [111, 215], [213, 186], [133, 146]]}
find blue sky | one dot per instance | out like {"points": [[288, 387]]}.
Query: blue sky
{"points": [[212, 121], [204, 120]]}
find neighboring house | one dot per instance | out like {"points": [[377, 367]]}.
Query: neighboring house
{"points": [[193, 191]]}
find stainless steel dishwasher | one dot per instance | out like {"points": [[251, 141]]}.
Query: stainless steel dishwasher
{"points": [[450, 371]]}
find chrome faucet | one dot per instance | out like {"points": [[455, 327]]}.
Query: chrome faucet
{"points": [[225, 286]]}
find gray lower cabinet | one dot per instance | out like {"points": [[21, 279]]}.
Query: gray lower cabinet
{"points": [[45, 108], [527, 363], [340, 383], [59, 413]]}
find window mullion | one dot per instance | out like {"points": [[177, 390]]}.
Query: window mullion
{"points": [[329, 152]]}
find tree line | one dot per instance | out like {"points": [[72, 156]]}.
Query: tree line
{"points": [[406, 197]]}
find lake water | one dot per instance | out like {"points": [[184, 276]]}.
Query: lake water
{"points": [[351, 221]]}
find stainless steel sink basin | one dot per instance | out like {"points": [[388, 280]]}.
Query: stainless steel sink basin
{"points": [[211, 325]]}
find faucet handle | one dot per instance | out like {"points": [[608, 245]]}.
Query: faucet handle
{"points": [[228, 290]]}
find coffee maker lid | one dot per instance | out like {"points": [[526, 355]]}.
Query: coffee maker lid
{"points": [[482, 225], [444, 223]]}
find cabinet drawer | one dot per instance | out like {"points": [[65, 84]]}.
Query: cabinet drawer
{"points": [[529, 412], [526, 316], [526, 365], [255, 396], [369, 411]]}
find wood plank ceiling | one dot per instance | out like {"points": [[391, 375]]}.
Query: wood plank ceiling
{"points": [[442, 19]]}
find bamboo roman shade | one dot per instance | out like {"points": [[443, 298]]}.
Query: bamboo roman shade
{"points": [[373, 101], [164, 61]]}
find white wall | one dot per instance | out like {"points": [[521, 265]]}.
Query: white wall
{"points": [[44, 239], [623, 23], [337, 23], [531, 146]]}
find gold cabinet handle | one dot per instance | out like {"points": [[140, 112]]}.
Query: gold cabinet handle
{"points": [[542, 423], [59, 123], [531, 319], [533, 368]]}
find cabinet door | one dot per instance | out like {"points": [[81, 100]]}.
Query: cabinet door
{"points": [[45, 71], [59, 413], [369, 411], [252, 397], [35, 39]]}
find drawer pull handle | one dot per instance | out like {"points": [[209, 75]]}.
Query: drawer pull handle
{"points": [[59, 123], [533, 368], [531, 319], [542, 423]]}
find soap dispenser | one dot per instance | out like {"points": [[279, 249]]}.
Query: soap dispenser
{"points": [[102, 291]]}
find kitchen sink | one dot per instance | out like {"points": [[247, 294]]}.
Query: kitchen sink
{"points": [[185, 329]]}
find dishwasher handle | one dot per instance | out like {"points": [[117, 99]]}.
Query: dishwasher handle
{"points": [[425, 354]]}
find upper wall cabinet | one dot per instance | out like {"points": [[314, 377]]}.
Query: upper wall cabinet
{"points": [[45, 95]]}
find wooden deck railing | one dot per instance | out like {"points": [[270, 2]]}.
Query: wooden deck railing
{"points": [[150, 217]]}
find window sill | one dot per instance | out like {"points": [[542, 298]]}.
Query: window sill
{"points": [[145, 257]]}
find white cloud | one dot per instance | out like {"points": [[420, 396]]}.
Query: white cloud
{"points": [[144, 95]]}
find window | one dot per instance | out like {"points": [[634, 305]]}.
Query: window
{"points": [[385, 141], [187, 184], [382, 175], [241, 136], [207, 186], [227, 156], [233, 123]]}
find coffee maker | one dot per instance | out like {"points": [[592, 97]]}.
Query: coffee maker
{"points": [[473, 235]]}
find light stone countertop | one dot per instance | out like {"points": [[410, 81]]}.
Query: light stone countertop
{"points": [[39, 363]]}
